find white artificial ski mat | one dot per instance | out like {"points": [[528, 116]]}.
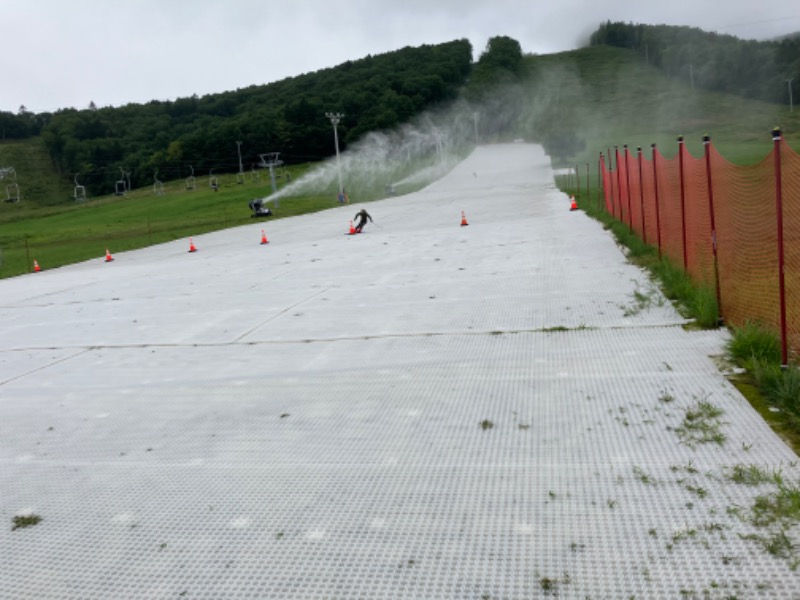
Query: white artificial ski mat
{"points": [[507, 409]]}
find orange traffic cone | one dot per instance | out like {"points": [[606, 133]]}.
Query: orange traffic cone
{"points": [[36, 267], [109, 258], [463, 219], [191, 246], [573, 205], [264, 239], [352, 229]]}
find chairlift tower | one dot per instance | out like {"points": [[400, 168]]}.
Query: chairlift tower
{"points": [[270, 160], [79, 193]]}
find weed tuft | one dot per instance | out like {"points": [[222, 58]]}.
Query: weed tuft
{"points": [[701, 425], [754, 475], [23, 521]]}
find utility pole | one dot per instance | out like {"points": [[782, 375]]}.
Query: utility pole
{"points": [[789, 82], [335, 118]]}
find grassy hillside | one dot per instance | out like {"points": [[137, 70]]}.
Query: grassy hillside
{"points": [[39, 182], [613, 98]]}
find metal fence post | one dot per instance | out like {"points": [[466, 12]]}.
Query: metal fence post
{"points": [[681, 147], [641, 193], [619, 182], [655, 190], [600, 182], [776, 138], [707, 151], [628, 187]]}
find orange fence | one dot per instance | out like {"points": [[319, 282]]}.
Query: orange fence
{"points": [[734, 229]]}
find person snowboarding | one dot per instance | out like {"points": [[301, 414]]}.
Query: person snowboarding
{"points": [[361, 219]]}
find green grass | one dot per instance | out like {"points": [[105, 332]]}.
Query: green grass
{"points": [[756, 348], [38, 181], [754, 343]]}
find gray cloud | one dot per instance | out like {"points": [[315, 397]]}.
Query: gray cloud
{"points": [[67, 54]]}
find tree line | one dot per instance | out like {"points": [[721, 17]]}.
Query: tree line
{"points": [[758, 70], [164, 139]]}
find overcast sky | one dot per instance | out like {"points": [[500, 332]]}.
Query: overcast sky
{"points": [[68, 53]]}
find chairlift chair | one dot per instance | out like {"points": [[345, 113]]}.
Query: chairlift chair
{"points": [[12, 192]]}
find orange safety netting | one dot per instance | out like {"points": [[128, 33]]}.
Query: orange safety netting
{"points": [[682, 204]]}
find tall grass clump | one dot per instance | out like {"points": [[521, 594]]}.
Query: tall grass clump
{"points": [[704, 307], [757, 348], [754, 344]]}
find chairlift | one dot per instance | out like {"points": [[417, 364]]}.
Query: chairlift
{"points": [[120, 187], [190, 185], [12, 189], [254, 174], [158, 186], [79, 193], [12, 192], [213, 182]]}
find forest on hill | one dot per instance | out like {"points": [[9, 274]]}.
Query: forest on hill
{"points": [[169, 139], [759, 70]]}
